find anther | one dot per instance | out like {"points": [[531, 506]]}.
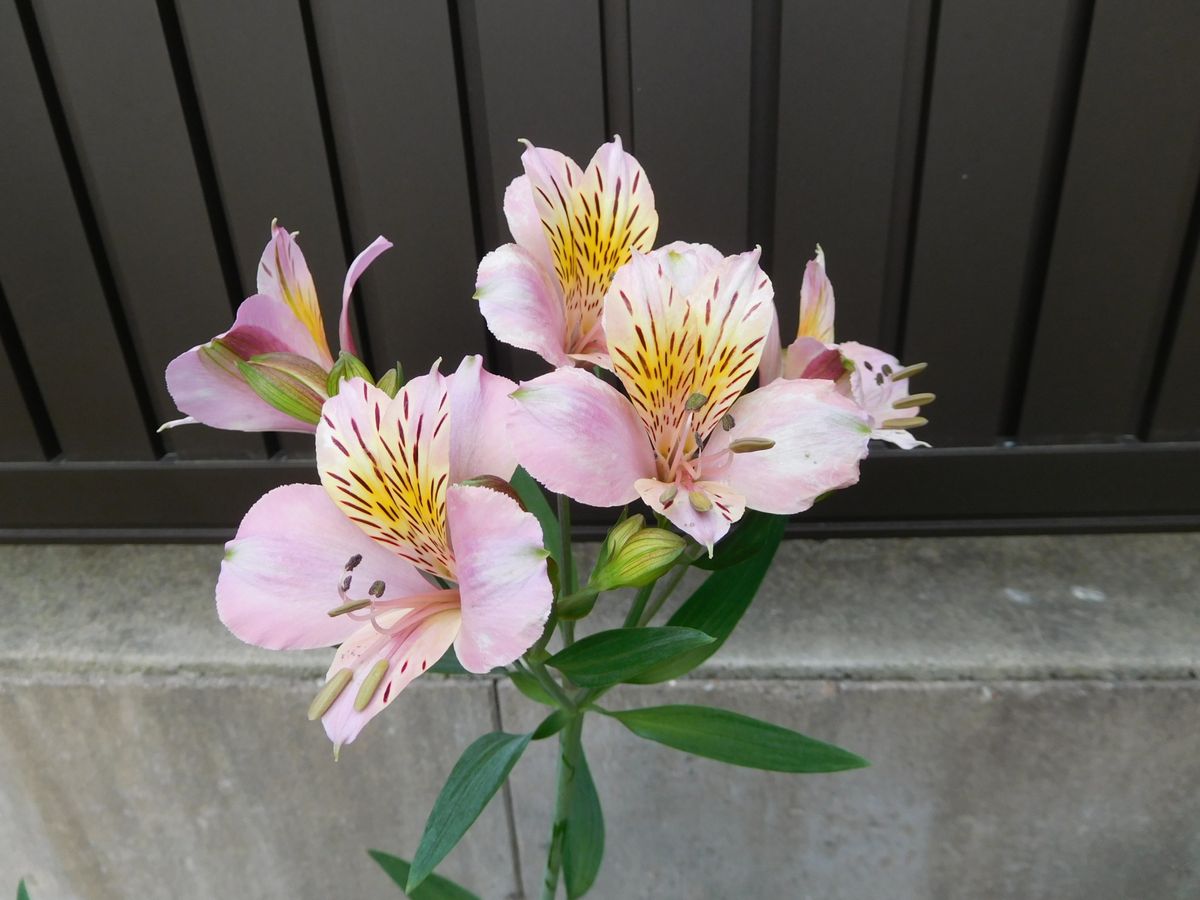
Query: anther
{"points": [[914, 422], [328, 694], [750, 445], [914, 400], [700, 501], [348, 608], [376, 589], [695, 401], [727, 421], [668, 495], [345, 586], [370, 685], [909, 371], [352, 562]]}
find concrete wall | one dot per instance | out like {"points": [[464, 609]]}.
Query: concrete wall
{"points": [[1030, 704]]}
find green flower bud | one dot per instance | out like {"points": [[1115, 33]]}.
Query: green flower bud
{"points": [[282, 390], [641, 559], [347, 366], [391, 381]]}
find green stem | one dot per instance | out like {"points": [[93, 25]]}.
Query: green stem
{"points": [[566, 565], [543, 677], [570, 748], [667, 589], [639, 604]]}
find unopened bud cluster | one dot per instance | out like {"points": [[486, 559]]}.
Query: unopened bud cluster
{"points": [[634, 555]]}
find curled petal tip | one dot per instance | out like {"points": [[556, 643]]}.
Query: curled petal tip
{"points": [[175, 423]]}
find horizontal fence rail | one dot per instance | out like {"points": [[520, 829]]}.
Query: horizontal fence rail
{"points": [[1006, 191]]}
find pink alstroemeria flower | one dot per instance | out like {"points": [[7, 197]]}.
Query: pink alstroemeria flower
{"points": [[573, 229], [280, 332], [685, 329], [873, 378], [393, 557]]}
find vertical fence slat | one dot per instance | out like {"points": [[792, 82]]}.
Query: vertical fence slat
{"points": [[842, 119], [1127, 194], [113, 70], [691, 116], [389, 73], [1177, 407], [996, 83], [53, 289]]}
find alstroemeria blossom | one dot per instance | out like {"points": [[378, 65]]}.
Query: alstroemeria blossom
{"points": [[686, 329], [279, 334], [393, 557], [873, 378], [573, 229]]}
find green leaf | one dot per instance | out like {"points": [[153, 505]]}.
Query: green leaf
{"points": [[528, 685], [610, 657], [22, 893], [448, 664], [552, 724], [718, 605], [435, 887], [736, 739], [535, 501], [747, 540], [583, 844], [474, 780]]}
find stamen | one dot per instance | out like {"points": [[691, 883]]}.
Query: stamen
{"points": [[750, 445], [352, 606], [914, 400], [328, 694], [668, 495], [695, 401], [352, 562], [376, 589], [700, 502], [370, 685], [905, 424], [345, 585], [910, 371], [727, 421]]}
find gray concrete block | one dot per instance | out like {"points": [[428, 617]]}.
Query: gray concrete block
{"points": [[207, 787], [1021, 790]]}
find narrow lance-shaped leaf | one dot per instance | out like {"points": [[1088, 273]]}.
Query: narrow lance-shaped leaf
{"points": [[22, 893], [435, 887], [552, 724], [528, 685], [583, 844], [476, 777], [718, 605], [610, 657], [736, 739], [535, 502]]}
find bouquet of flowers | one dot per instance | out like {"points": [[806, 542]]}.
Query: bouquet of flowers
{"points": [[429, 544]]}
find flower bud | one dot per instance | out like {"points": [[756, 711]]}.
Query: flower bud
{"points": [[641, 559], [282, 390], [347, 366], [391, 381]]}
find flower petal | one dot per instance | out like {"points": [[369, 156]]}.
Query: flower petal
{"points": [[364, 259], [205, 384], [706, 518], [580, 437], [871, 386], [593, 220], [283, 274], [525, 224], [522, 303], [281, 571], [820, 437], [501, 568], [406, 654], [386, 463], [770, 365], [480, 407], [816, 302]]}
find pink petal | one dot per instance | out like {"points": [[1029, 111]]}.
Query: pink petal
{"points": [[809, 358], [686, 264], [501, 569], [364, 259], [480, 407], [816, 302], [408, 653], [820, 437], [724, 507], [281, 571], [522, 303], [219, 397], [770, 366], [283, 274], [871, 386], [525, 224], [580, 437], [386, 462]]}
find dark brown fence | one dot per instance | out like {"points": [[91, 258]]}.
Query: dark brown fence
{"points": [[1006, 190]]}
